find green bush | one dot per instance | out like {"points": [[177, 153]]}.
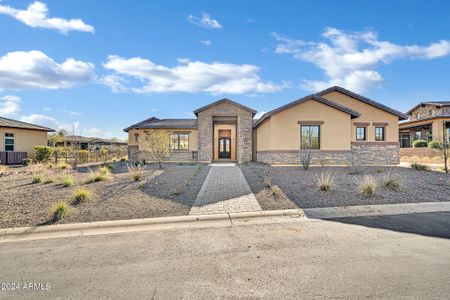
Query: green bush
{"points": [[435, 145], [67, 181], [60, 210], [36, 178], [43, 153], [27, 161], [420, 144]]}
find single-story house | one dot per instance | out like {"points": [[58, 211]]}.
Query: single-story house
{"points": [[427, 121], [18, 140], [89, 143], [334, 125]]}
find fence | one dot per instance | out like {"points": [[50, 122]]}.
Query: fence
{"points": [[12, 158]]}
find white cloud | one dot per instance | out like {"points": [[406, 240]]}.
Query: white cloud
{"points": [[34, 69], [9, 106], [350, 59], [204, 21], [259, 114], [206, 42], [95, 132], [50, 122], [116, 83], [36, 15], [72, 113], [188, 76]]}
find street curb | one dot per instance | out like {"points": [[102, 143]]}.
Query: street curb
{"points": [[107, 227]]}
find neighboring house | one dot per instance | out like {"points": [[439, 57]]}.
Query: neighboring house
{"points": [[89, 143], [18, 140], [334, 125], [427, 121]]}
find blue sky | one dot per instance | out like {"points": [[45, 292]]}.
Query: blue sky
{"points": [[100, 68]]}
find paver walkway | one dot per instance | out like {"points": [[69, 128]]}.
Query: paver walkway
{"points": [[225, 190]]}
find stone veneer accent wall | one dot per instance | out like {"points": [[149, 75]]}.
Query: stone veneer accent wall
{"points": [[243, 131], [367, 153], [133, 155]]}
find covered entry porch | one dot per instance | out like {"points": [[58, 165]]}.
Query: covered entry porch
{"points": [[224, 138]]}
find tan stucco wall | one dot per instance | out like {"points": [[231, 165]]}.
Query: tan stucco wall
{"points": [[193, 136], [282, 131], [24, 140], [369, 114]]}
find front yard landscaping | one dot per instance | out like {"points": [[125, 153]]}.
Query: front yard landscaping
{"points": [[98, 193], [301, 187]]}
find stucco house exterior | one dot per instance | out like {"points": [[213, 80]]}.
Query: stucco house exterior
{"points": [[427, 121], [18, 140], [333, 125]]}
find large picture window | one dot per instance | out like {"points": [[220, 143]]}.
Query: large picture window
{"points": [[9, 141], [379, 134], [180, 141], [310, 136], [360, 133]]}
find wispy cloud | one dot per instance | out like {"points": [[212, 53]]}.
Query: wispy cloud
{"points": [[72, 113], [9, 106], [350, 59], [36, 15], [35, 70], [50, 122], [206, 42], [204, 21], [188, 76]]}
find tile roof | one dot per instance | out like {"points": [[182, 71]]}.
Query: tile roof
{"points": [[425, 119], [5, 122], [437, 103]]}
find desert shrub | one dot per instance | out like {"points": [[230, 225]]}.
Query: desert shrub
{"points": [[67, 181], [36, 178], [104, 171], [43, 153], [274, 190], [355, 163], [141, 186], [180, 163], [103, 152], [3, 169], [114, 159], [379, 171], [367, 185], [435, 145], [419, 167], [97, 177], [50, 166], [135, 172], [391, 182], [123, 159], [267, 181], [27, 161], [325, 181], [49, 179], [81, 196], [305, 159], [64, 166], [420, 144], [60, 210], [83, 155]]}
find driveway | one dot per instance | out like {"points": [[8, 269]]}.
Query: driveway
{"points": [[380, 257]]}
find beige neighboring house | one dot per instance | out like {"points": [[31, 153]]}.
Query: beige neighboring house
{"points": [[427, 121], [335, 125], [18, 140]]}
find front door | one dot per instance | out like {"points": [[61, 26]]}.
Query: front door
{"points": [[225, 147]]}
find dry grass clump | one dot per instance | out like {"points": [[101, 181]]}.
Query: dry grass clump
{"points": [[67, 181], [100, 175], [325, 181], [367, 185], [64, 166], [419, 167], [392, 182], [135, 171], [59, 211], [36, 178], [3, 169], [81, 196], [49, 179]]}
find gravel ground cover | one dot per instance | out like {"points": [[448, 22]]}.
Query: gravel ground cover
{"points": [[300, 186], [168, 192]]}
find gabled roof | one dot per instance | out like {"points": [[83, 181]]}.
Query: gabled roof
{"points": [[351, 112], [436, 103], [5, 122], [402, 116], [154, 123], [225, 100], [425, 119], [91, 140]]}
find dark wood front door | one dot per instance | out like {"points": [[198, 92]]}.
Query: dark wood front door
{"points": [[225, 147]]}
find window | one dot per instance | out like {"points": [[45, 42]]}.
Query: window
{"points": [[418, 135], [360, 133], [9, 141], [136, 137], [180, 141], [379, 134], [310, 137], [417, 116]]}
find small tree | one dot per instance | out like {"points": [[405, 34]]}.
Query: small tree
{"points": [[155, 146], [103, 152], [43, 153], [445, 146]]}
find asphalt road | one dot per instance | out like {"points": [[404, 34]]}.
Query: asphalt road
{"points": [[379, 257]]}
